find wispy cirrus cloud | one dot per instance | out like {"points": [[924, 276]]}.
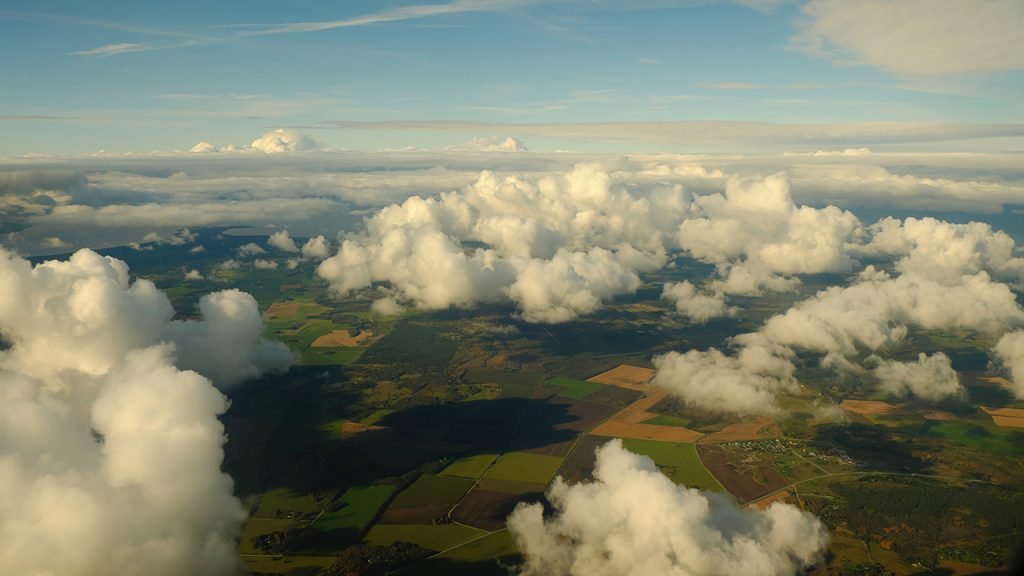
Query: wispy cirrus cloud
{"points": [[112, 49], [399, 14], [392, 15]]}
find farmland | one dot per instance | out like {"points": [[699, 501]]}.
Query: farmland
{"points": [[413, 437]]}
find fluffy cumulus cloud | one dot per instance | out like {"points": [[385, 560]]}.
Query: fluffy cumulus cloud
{"points": [[250, 249], [929, 377], [634, 521], [758, 237], [872, 314], [938, 249], [698, 306], [1009, 351], [225, 345], [110, 454], [281, 140], [282, 240], [747, 383], [317, 248], [556, 247]]}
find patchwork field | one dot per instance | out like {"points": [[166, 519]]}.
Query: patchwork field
{"points": [[434, 537], [758, 429], [432, 490], [680, 462], [867, 407], [524, 467], [470, 467], [360, 506], [744, 481], [487, 510], [341, 338], [635, 421]]}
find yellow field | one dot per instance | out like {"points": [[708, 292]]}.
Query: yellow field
{"points": [[626, 376], [341, 338]]}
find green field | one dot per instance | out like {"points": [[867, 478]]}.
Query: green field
{"points": [[665, 420], [496, 545], [321, 356], [281, 501], [375, 417], [361, 505], [524, 467], [679, 461], [469, 467], [432, 490], [575, 389], [293, 565], [433, 537], [981, 435], [258, 527]]}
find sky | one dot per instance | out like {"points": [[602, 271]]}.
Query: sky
{"points": [[135, 77]]}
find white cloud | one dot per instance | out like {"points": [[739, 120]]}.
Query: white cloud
{"points": [[929, 378], [193, 275], [317, 248], [110, 455], [939, 250], [746, 383], [282, 240], [261, 264], [634, 521], [230, 265], [112, 49], [912, 37], [491, 144], [697, 306], [755, 233], [281, 140], [203, 147], [250, 249], [226, 346], [1009, 351]]}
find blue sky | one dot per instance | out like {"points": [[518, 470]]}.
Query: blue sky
{"points": [[138, 76]]}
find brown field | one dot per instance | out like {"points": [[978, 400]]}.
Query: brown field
{"points": [[628, 423], [647, 432], [341, 339], [939, 416], [765, 503], [559, 449], [281, 309], [626, 376], [741, 483], [867, 407], [576, 415], [579, 465], [982, 379], [857, 418], [414, 515], [510, 486], [488, 510], [762, 427], [1006, 417]]}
